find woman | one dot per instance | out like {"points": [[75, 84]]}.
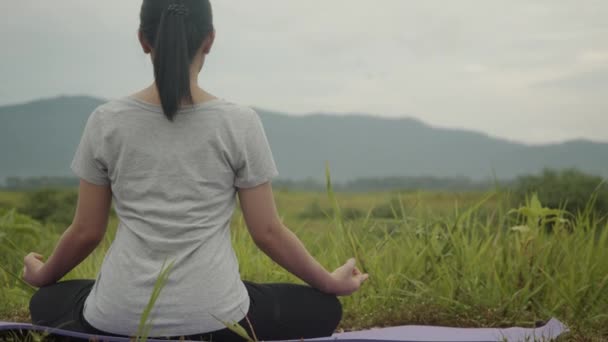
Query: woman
{"points": [[173, 157]]}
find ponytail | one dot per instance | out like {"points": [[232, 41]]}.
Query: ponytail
{"points": [[172, 63], [176, 30]]}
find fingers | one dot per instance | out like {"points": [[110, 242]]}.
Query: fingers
{"points": [[351, 274], [33, 255], [31, 261], [361, 278], [348, 268], [28, 262], [27, 258], [351, 264], [354, 270]]}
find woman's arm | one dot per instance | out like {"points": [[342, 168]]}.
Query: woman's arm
{"points": [[78, 241], [282, 245]]}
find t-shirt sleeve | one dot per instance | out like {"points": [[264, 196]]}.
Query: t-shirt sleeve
{"points": [[88, 162], [255, 165]]}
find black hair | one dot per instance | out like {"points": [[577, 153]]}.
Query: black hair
{"points": [[175, 29]]}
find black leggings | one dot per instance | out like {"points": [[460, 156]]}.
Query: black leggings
{"points": [[277, 311]]}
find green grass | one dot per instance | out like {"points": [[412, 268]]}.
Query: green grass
{"points": [[11, 199], [443, 259], [145, 323]]}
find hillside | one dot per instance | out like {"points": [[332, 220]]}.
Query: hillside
{"points": [[39, 139]]}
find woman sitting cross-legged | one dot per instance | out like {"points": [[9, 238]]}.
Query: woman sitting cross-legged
{"points": [[173, 158]]}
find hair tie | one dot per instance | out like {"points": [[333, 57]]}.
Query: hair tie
{"points": [[177, 9]]}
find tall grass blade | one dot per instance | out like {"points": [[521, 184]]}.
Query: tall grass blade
{"points": [[145, 323]]}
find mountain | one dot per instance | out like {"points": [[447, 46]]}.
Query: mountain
{"points": [[39, 139], [363, 146]]}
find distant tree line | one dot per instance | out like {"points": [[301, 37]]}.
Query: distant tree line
{"points": [[428, 183], [34, 183], [456, 184], [571, 190], [568, 189], [52, 199], [358, 185]]}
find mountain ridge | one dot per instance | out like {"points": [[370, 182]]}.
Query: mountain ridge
{"points": [[357, 145]]}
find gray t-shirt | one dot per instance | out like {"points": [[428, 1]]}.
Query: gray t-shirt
{"points": [[174, 189]]}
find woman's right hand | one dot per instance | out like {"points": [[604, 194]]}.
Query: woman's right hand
{"points": [[347, 279], [32, 270]]}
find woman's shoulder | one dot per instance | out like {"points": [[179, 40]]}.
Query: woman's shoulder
{"points": [[111, 107], [234, 110], [236, 116]]}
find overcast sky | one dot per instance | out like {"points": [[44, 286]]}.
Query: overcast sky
{"points": [[528, 70]]}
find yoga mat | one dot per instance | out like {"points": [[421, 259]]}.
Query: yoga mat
{"points": [[548, 332]]}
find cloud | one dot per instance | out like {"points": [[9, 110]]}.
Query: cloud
{"points": [[594, 57], [475, 68], [586, 81], [505, 67]]}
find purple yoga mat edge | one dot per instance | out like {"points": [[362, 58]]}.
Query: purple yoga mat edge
{"points": [[25, 327]]}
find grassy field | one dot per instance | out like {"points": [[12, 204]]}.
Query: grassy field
{"points": [[465, 259]]}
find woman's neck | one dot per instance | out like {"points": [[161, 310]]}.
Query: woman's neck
{"points": [[150, 95]]}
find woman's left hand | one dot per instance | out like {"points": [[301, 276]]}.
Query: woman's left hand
{"points": [[32, 270]]}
